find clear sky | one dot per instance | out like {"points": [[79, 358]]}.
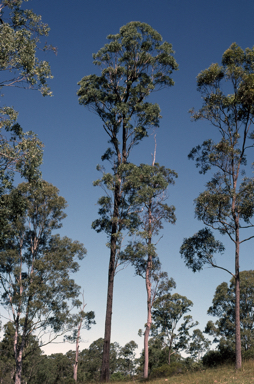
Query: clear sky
{"points": [[200, 31]]}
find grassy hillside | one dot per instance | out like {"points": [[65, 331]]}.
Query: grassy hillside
{"points": [[225, 374]]}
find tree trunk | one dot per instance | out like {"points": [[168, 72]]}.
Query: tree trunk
{"points": [[169, 355], [149, 317], [148, 290], [121, 159], [106, 347], [75, 366], [105, 374], [18, 367], [75, 370], [238, 353]]}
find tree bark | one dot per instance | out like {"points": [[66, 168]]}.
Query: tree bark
{"points": [[105, 373], [75, 366], [238, 353], [148, 290], [169, 355], [18, 367], [149, 317]]}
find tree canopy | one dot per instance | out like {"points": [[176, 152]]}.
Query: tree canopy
{"points": [[22, 36], [36, 265], [223, 307], [171, 322], [135, 63]]}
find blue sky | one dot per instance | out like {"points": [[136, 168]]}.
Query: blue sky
{"points": [[200, 31]]}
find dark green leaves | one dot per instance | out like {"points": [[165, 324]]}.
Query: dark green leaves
{"points": [[223, 307], [20, 35], [170, 320], [199, 249], [134, 63], [36, 265]]}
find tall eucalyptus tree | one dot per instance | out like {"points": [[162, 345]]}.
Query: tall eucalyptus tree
{"points": [[135, 63], [227, 204]]}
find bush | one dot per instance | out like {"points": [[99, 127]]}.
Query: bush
{"points": [[249, 354], [189, 364], [214, 358], [69, 381], [117, 376], [167, 370]]}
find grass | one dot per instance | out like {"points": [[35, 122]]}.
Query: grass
{"points": [[225, 374]]}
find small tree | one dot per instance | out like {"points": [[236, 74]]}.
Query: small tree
{"points": [[223, 307], [159, 284], [126, 360], [148, 186], [227, 204], [168, 312], [32, 356], [198, 344], [36, 265], [133, 64], [90, 360], [83, 320]]}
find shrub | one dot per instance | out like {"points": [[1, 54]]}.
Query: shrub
{"points": [[249, 354], [189, 364], [167, 370], [214, 358], [117, 376]]}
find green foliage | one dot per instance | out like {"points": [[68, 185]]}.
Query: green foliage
{"points": [[133, 64], [127, 215], [227, 204], [36, 265], [224, 201], [192, 365], [126, 360], [31, 358], [21, 31], [158, 354], [90, 361], [168, 311], [146, 186], [22, 153], [198, 344], [20, 34], [224, 355], [199, 249], [55, 368], [117, 376], [223, 307], [85, 319]]}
